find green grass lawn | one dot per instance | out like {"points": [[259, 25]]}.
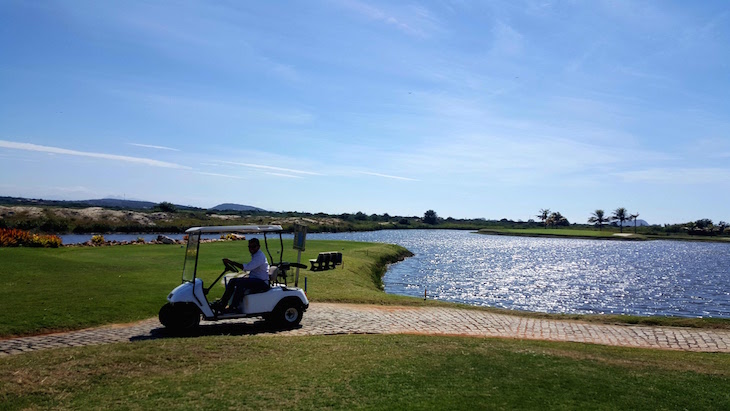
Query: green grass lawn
{"points": [[606, 233], [565, 232], [75, 287], [380, 372]]}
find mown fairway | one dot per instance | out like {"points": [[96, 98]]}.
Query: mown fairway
{"points": [[562, 232], [77, 287], [607, 233], [363, 372]]}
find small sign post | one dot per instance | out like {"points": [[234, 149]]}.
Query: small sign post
{"points": [[300, 239]]}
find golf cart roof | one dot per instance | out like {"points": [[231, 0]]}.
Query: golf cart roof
{"points": [[248, 229]]}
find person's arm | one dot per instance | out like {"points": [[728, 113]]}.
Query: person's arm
{"points": [[233, 263], [257, 260]]}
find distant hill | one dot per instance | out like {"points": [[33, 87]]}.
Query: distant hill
{"points": [[639, 223], [117, 203], [103, 202], [235, 207]]}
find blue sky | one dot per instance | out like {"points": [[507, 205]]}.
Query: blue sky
{"points": [[472, 109]]}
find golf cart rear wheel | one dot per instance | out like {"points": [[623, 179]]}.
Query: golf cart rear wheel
{"points": [[288, 313], [178, 317]]}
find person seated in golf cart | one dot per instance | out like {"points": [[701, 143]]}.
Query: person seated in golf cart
{"points": [[256, 281]]}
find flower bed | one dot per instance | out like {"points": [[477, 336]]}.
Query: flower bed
{"points": [[12, 237]]}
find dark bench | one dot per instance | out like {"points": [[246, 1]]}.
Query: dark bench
{"points": [[325, 261], [335, 258], [319, 263]]}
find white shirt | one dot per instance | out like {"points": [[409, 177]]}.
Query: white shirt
{"points": [[258, 267]]}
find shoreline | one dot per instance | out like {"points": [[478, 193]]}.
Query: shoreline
{"points": [[127, 238], [613, 237]]}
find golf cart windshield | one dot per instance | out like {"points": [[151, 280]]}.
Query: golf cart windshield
{"points": [[194, 236], [191, 257]]}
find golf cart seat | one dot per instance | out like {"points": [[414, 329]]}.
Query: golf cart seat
{"points": [[274, 274]]}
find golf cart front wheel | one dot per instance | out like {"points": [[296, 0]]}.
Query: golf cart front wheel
{"points": [[289, 314], [179, 317]]}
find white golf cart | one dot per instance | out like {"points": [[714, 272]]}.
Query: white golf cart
{"points": [[280, 304]]}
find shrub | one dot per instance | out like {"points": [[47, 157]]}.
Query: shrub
{"points": [[97, 239], [232, 237], [47, 241], [12, 237], [166, 207]]}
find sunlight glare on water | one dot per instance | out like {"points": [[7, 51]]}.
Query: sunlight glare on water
{"points": [[554, 275]]}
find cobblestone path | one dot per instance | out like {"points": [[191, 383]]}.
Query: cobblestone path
{"points": [[327, 319]]}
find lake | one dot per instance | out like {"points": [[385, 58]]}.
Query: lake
{"points": [[554, 275]]}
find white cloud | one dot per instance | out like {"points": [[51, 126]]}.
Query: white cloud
{"points": [[246, 178], [265, 167], [155, 147], [283, 175], [220, 175], [388, 176], [113, 157]]}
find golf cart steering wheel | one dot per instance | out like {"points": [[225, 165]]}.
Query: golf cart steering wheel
{"points": [[229, 265]]}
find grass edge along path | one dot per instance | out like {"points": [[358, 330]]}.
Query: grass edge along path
{"points": [[363, 372]]}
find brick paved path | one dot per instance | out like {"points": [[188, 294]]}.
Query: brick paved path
{"points": [[325, 318]]}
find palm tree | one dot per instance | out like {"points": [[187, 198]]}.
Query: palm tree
{"points": [[543, 216], [597, 217], [556, 219], [634, 217], [620, 214]]}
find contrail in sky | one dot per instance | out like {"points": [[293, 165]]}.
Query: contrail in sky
{"points": [[388, 176], [150, 146], [272, 168], [58, 150]]}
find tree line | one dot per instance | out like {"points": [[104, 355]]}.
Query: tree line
{"points": [[181, 219], [619, 216]]}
